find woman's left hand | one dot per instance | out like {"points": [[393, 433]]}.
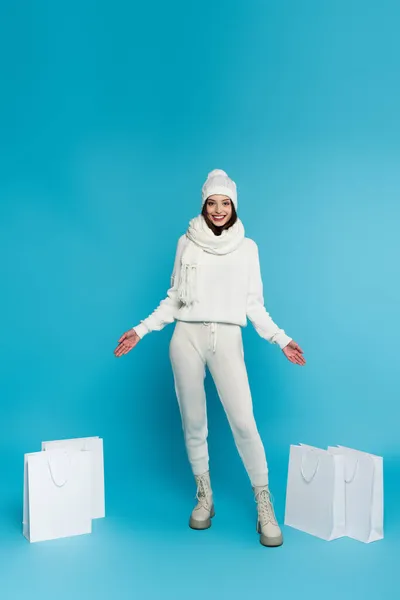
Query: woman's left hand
{"points": [[294, 353]]}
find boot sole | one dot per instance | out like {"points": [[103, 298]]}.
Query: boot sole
{"points": [[200, 525], [269, 542]]}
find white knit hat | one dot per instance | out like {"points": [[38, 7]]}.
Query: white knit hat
{"points": [[218, 182]]}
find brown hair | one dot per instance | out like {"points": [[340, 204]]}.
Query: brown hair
{"points": [[214, 228]]}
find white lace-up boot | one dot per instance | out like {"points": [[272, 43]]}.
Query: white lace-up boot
{"points": [[204, 511], [267, 526]]}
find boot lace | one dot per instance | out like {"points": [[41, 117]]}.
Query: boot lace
{"points": [[266, 512], [202, 492]]}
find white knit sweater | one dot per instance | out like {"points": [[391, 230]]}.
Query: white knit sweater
{"points": [[229, 290]]}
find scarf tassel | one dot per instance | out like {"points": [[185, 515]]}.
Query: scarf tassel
{"points": [[187, 284]]}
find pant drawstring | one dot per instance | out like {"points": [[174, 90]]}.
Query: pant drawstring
{"points": [[212, 344], [214, 336]]}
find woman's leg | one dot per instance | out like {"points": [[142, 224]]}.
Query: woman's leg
{"points": [[188, 367], [188, 364], [226, 364], [229, 372]]}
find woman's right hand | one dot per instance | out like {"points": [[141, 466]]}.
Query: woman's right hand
{"points": [[126, 343]]}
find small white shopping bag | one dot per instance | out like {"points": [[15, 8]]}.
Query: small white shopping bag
{"points": [[57, 492], [95, 446], [364, 494], [315, 500]]}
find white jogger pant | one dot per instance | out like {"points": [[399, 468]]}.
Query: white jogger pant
{"points": [[218, 346]]}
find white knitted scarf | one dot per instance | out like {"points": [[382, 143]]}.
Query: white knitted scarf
{"points": [[202, 239]]}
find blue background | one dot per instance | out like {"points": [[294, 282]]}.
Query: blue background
{"points": [[111, 115]]}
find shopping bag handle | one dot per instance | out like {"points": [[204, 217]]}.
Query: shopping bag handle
{"points": [[354, 473], [57, 483], [308, 479]]}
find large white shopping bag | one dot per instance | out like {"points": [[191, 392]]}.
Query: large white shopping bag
{"points": [[315, 500], [364, 494], [95, 446], [57, 494]]}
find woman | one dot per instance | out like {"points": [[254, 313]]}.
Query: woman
{"points": [[216, 285]]}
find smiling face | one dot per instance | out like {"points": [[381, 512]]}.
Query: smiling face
{"points": [[219, 209]]}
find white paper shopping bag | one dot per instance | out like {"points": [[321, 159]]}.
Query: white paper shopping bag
{"points": [[315, 501], [57, 493], [95, 446], [364, 494]]}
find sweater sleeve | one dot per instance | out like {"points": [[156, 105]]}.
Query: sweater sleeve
{"points": [[166, 311], [256, 311]]}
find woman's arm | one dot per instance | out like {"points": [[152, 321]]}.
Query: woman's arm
{"points": [[166, 311], [256, 311]]}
